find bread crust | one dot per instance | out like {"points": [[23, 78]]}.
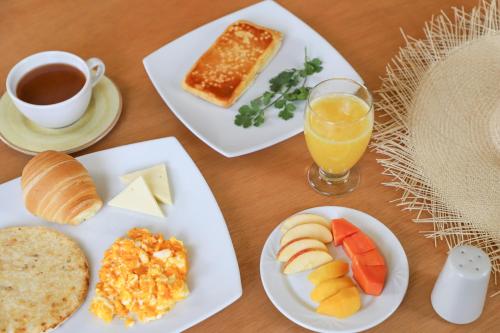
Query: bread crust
{"points": [[44, 279], [58, 188], [223, 73]]}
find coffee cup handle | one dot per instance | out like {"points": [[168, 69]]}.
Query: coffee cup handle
{"points": [[98, 65]]}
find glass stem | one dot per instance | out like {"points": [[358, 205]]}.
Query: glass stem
{"points": [[334, 178]]}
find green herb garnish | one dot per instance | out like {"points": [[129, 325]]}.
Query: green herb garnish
{"points": [[284, 89]]}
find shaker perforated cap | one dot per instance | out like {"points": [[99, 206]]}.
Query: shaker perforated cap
{"points": [[470, 262], [460, 290]]}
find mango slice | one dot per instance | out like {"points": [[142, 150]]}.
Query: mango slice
{"points": [[334, 269], [330, 287], [343, 304]]}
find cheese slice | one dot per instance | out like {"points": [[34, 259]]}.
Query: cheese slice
{"points": [[157, 180], [138, 198]]}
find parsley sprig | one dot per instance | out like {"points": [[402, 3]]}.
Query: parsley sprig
{"points": [[285, 89]]}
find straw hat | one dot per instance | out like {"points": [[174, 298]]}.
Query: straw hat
{"points": [[455, 131], [441, 135]]}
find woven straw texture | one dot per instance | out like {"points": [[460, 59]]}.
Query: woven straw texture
{"points": [[439, 127]]}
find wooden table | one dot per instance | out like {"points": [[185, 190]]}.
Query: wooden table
{"points": [[256, 191]]}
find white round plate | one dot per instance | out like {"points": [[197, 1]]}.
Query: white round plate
{"points": [[290, 294]]}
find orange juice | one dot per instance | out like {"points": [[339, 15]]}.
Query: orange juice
{"points": [[337, 130]]}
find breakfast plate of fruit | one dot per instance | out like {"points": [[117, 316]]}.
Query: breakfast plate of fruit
{"points": [[126, 237], [334, 269], [239, 83]]}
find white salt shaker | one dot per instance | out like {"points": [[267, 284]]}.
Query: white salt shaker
{"points": [[460, 290]]}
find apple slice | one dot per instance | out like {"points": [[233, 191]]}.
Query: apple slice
{"points": [[306, 259], [297, 219], [309, 230], [296, 245]]}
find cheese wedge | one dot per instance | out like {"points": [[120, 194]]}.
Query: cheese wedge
{"points": [[138, 198], [157, 180]]}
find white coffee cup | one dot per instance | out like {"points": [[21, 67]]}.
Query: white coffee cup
{"points": [[63, 113]]}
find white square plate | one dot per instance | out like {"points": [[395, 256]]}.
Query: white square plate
{"points": [[214, 125], [195, 218], [290, 293]]}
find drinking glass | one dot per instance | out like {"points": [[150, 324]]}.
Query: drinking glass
{"points": [[338, 126]]}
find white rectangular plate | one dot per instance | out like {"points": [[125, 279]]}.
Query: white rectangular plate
{"points": [[214, 125], [195, 218]]}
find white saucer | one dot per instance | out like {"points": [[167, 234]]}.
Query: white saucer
{"points": [[23, 135]]}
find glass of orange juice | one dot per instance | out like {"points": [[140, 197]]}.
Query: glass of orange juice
{"points": [[338, 126]]}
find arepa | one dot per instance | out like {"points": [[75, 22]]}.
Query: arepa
{"points": [[44, 278]]}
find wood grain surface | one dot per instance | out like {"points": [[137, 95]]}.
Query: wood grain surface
{"points": [[256, 191]]}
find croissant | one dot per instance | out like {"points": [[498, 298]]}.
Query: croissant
{"points": [[58, 188]]}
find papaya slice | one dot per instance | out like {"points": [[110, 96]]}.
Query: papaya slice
{"points": [[370, 258], [357, 243], [371, 279], [341, 228]]}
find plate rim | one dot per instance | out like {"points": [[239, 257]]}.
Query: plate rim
{"points": [[87, 144], [254, 147], [307, 325]]}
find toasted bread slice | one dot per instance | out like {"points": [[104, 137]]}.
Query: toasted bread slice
{"points": [[230, 65]]}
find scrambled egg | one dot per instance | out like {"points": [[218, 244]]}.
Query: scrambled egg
{"points": [[141, 278]]}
